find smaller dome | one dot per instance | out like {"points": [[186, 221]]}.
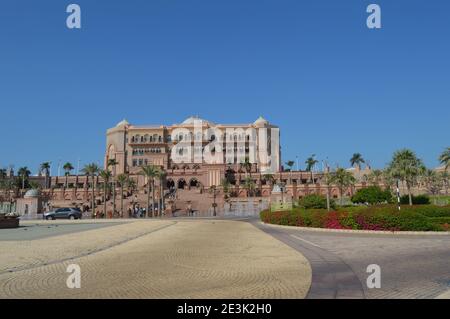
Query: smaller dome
{"points": [[32, 193], [191, 120], [123, 123], [261, 121]]}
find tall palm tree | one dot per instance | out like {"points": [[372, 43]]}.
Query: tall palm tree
{"points": [[406, 167], [357, 160], [250, 186], [106, 176], [113, 163], [45, 168], [2, 173], [68, 167], [290, 164], [23, 173], [226, 187], [161, 177], [246, 166], [445, 176], [150, 172], [269, 178], [310, 163], [375, 177], [444, 158], [432, 181], [342, 179], [123, 180], [91, 170]]}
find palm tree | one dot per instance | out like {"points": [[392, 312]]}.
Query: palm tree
{"points": [[45, 168], [246, 166], [375, 177], [2, 173], [342, 179], [123, 180], [23, 173], [269, 178], [444, 158], [310, 163], [250, 186], [113, 163], [91, 170], [68, 167], [432, 181], [357, 160], [150, 172], [445, 180], [328, 181], [405, 166], [290, 164], [161, 177], [106, 176]]}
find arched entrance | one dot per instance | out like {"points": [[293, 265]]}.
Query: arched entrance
{"points": [[194, 183], [181, 183], [170, 184]]}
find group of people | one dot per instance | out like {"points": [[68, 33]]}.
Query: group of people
{"points": [[137, 212]]}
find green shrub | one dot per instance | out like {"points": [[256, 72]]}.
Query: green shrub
{"points": [[416, 200], [314, 201], [385, 217], [372, 195]]}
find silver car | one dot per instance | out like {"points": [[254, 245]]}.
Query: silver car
{"points": [[64, 213]]}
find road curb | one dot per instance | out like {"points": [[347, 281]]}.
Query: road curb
{"points": [[352, 231]]}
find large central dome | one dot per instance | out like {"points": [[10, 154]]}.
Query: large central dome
{"points": [[191, 120]]}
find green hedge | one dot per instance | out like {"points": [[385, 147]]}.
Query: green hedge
{"points": [[415, 218]]}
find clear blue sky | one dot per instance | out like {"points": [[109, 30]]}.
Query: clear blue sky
{"points": [[312, 67]]}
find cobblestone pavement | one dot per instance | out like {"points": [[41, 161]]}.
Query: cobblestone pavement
{"points": [[156, 259], [412, 266]]}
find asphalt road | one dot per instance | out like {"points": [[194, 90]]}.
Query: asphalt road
{"points": [[412, 266]]}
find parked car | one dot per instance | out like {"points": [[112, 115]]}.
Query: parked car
{"points": [[64, 213]]}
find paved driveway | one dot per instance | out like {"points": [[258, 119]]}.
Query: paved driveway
{"points": [[412, 266], [155, 259]]}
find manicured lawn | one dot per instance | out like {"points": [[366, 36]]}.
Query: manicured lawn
{"points": [[385, 217]]}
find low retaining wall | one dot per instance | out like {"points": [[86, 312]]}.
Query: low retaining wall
{"points": [[9, 223]]}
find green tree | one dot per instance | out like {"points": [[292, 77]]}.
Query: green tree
{"points": [[113, 163], [444, 158], [122, 179], [226, 187], [372, 195], [91, 170], [45, 168], [246, 166], [250, 186], [432, 181], [151, 173], [375, 177], [342, 179], [24, 173], [314, 201], [269, 178], [106, 176], [161, 177], [68, 167], [445, 177], [406, 167], [290, 164], [310, 163], [357, 160]]}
